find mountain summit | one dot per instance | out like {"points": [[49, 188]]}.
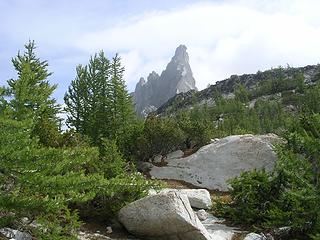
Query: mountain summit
{"points": [[176, 78]]}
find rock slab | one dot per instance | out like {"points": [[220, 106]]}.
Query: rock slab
{"points": [[198, 198], [214, 164], [166, 216]]}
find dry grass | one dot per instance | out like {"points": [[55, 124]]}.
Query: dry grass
{"points": [[224, 198]]}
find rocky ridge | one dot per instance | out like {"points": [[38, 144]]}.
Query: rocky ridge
{"points": [[226, 87]]}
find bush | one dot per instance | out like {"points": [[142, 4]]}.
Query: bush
{"points": [[289, 195], [46, 183], [160, 136], [250, 196]]}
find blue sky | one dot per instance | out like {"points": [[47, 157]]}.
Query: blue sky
{"points": [[223, 37]]}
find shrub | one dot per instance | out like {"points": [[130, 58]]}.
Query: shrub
{"points": [[289, 195], [160, 136], [45, 184]]}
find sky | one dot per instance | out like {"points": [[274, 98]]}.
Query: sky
{"points": [[223, 37]]}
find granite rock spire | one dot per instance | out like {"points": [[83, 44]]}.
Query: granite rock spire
{"points": [[176, 78]]}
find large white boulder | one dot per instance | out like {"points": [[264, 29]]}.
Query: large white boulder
{"points": [[166, 216], [212, 165], [198, 198]]}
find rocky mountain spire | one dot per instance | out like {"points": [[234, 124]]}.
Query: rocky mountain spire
{"points": [[176, 78]]}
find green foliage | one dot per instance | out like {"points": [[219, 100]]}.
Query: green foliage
{"points": [[289, 195], [120, 191], [42, 183], [31, 91], [71, 138], [197, 127], [98, 103], [53, 177], [278, 82], [193, 128], [310, 100], [31, 95], [111, 163], [271, 116], [160, 136], [241, 94], [39, 183], [128, 142], [316, 236], [251, 193]]}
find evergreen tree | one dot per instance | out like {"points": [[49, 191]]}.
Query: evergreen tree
{"points": [[31, 94], [43, 183], [241, 94], [98, 103]]}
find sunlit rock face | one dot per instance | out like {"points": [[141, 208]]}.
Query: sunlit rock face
{"points": [[176, 78], [213, 165]]}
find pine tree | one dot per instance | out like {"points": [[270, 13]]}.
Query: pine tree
{"points": [[123, 112], [51, 185], [31, 94], [241, 94], [98, 103], [31, 90]]}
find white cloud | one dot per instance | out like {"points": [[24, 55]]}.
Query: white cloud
{"points": [[231, 37]]}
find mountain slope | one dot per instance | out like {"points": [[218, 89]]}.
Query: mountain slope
{"points": [[251, 82]]}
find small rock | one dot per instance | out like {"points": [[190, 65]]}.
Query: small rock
{"points": [[175, 155], [202, 214], [222, 235], [15, 234], [109, 230], [157, 159], [282, 231], [144, 166], [255, 236]]}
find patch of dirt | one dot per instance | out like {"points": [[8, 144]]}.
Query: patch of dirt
{"points": [[100, 228], [161, 164], [239, 236], [171, 183], [189, 152]]}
